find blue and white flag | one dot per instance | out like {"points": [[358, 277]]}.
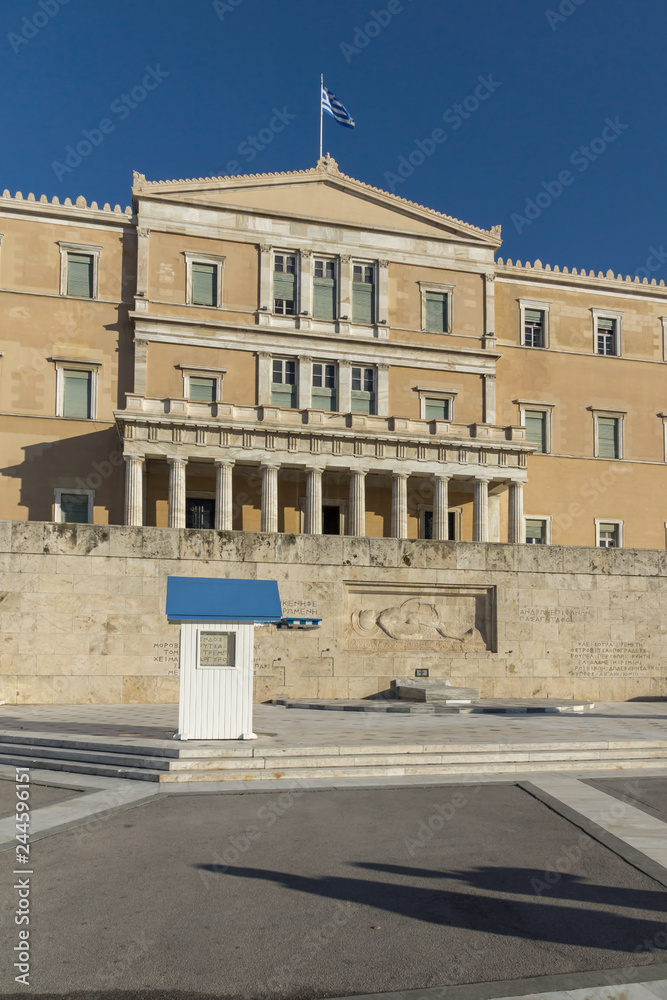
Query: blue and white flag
{"points": [[332, 106]]}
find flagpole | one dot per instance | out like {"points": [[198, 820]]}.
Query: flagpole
{"points": [[321, 88]]}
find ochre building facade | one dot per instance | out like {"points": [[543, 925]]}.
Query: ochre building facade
{"points": [[304, 353]]}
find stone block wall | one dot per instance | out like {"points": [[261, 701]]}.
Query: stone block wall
{"points": [[82, 614]]}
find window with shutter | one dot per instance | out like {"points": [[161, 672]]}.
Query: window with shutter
{"points": [[80, 275], [533, 335], [202, 390], [284, 284], [437, 312], [536, 429], [283, 385], [323, 394], [608, 437], [363, 390], [607, 341], [324, 289], [204, 279], [77, 393], [363, 293], [609, 535], [535, 531], [74, 508], [436, 409]]}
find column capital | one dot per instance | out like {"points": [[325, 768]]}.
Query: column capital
{"points": [[345, 258], [490, 375], [306, 253], [383, 263], [270, 465], [489, 277], [177, 460], [265, 247], [398, 474], [224, 463]]}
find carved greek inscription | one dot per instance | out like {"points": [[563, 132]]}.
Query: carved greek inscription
{"points": [[165, 652], [610, 659], [217, 649], [300, 609], [559, 616]]}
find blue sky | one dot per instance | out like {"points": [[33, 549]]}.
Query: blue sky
{"points": [[569, 88]]}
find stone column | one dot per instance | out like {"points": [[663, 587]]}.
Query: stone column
{"points": [[489, 398], [177, 492], [134, 481], [399, 505], [344, 386], [269, 498], [314, 502], [480, 511], [223, 495], [515, 528], [441, 508], [357, 504]]}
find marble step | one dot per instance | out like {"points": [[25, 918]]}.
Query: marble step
{"points": [[99, 755], [76, 767]]}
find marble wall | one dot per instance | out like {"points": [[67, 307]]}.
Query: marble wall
{"points": [[82, 614]]}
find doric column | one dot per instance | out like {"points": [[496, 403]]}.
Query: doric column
{"points": [[441, 508], [399, 505], [314, 502], [177, 492], [134, 481], [223, 495], [269, 498], [357, 503], [515, 529], [480, 511]]}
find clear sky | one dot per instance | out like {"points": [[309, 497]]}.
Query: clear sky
{"points": [[544, 88]]}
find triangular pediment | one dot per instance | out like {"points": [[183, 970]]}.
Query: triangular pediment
{"points": [[322, 194]]}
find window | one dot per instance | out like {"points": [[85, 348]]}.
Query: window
{"points": [[534, 323], [323, 396], [536, 428], [437, 312], [77, 393], [79, 266], [363, 293], [608, 437], [283, 383], [324, 289], [533, 328], [608, 534], [426, 523], [284, 284], [607, 332], [200, 512], [436, 409], [363, 390], [203, 285], [74, 506], [202, 390], [536, 531]]}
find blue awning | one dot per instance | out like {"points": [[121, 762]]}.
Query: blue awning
{"points": [[205, 599]]}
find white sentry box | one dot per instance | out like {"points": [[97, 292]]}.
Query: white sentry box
{"points": [[218, 620]]}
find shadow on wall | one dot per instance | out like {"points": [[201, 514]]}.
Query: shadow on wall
{"points": [[92, 461]]}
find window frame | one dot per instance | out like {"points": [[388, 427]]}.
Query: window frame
{"points": [[57, 504], [334, 391], [438, 288], [538, 405], [76, 364], [617, 316], [90, 250], [618, 415], [191, 257], [424, 508], [373, 396], [620, 526], [546, 520], [295, 385], [202, 371], [545, 308], [435, 392], [277, 252], [327, 258], [375, 305]]}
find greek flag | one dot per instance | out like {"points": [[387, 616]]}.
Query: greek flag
{"points": [[332, 106]]}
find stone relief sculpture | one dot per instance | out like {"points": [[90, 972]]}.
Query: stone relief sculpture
{"points": [[413, 619]]}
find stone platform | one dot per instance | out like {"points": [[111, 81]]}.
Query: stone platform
{"points": [[433, 706]]}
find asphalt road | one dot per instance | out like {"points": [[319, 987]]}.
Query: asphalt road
{"points": [[327, 894], [40, 795]]}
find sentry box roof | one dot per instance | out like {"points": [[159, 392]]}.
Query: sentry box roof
{"points": [[203, 599]]}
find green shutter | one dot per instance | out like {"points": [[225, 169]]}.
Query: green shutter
{"points": [[534, 316], [536, 429], [363, 302], [324, 298], [436, 409], [77, 394], [284, 286], [323, 399], [607, 437], [204, 284], [202, 390], [80, 275], [535, 529], [74, 508], [436, 312], [609, 325], [283, 395], [363, 402]]}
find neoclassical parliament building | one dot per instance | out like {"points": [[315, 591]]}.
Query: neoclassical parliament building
{"points": [[304, 353]]}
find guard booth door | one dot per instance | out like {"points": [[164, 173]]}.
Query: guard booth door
{"points": [[216, 661]]}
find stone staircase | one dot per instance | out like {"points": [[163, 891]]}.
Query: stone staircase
{"points": [[164, 761]]}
